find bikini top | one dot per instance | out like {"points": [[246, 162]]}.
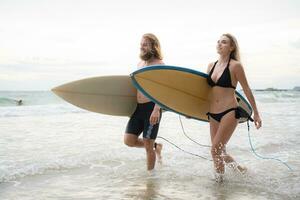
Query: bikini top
{"points": [[224, 80]]}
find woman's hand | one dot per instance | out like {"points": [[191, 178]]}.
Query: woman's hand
{"points": [[257, 120]]}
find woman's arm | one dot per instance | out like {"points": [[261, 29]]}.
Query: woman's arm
{"points": [[241, 78]]}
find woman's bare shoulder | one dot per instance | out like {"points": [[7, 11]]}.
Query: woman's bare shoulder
{"points": [[209, 66], [235, 65]]}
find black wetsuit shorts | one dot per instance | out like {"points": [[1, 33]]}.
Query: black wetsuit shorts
{"points": [[139, 121]]}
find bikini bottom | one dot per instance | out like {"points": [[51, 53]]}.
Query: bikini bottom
{"points": [[239, 112]]}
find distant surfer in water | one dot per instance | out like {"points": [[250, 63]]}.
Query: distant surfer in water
{"points": [[147, 115], [19, 102], [223, 115]]}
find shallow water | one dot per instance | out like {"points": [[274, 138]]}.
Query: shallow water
{"points": [[52, 150]]}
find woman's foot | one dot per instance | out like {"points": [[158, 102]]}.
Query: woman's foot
{"points": [[237, 167]]}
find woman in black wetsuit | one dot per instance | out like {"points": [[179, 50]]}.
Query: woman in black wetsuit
{"points": [[223, 114]]}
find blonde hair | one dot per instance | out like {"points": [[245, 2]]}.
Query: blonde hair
{"points": [[155, 45], [235, 54]]}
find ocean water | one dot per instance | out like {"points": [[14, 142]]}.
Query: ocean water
{"points": [[50, 149]]}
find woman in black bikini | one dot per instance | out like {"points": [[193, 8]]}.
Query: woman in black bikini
{"points": [[224, 112]]}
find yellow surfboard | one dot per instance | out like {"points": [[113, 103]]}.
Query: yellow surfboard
{"points": [[111, 95], [181, 90]]}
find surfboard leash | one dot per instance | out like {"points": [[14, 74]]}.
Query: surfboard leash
{"points": [[193, 154], [264, 157], [202, 145], [183, 130]]}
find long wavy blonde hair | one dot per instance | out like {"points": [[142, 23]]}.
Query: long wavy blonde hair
{"points": [[155, 45], [235, 54]]}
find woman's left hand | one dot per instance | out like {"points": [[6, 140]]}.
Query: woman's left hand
{"points": [[154, 118], [257, 121]]}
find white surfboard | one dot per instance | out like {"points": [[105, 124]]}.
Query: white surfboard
{"points": [[112, 95]]}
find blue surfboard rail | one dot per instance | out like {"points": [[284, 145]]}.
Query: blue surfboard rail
{"points": [[163, 67], [176, 68]]}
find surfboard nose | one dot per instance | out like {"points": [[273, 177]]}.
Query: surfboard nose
{"points": [[55, 89], [112, 95]]}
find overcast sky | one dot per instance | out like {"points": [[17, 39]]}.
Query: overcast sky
{"points": [[45, 43]]}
